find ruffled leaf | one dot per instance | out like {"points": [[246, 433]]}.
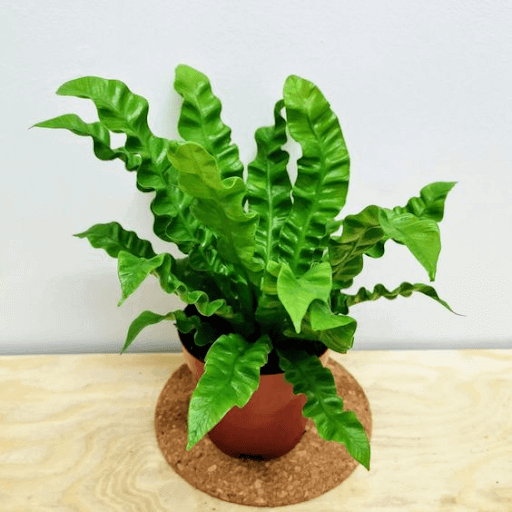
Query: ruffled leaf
{"points": [[421, 236], [231, 376], [360, 232], [173, 279], [145, 319], [99, 134], [204, 332], [344, 301], [210, 275], [429, 205], [200, 120], [218, 203], [296, 294], [113, 238], [268, 185], [119, 109], [132, 271], [173, 274], [122, 111], [335, 331], [308, 376], [171, 283], [323, 173], [270, 310]]}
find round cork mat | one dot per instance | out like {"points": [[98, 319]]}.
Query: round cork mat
{"points": [[312, 468]]}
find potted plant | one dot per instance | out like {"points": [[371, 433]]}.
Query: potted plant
{"points": [[265, 275]]}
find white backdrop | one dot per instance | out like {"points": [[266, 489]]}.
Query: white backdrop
{"points": [[423, 91]]}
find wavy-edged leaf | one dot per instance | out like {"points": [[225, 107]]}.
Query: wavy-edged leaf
{"points": [[185, 324], [331, 227], [119, 109], [122, 111], [173, 274], [100, 136], [421, 236], [323, 173], [339, 302], [405, 290], [218, 203], [173, 278], [145, 319], [210, 276], [200, 120], [172, 281], [296, 294], [272, 314], [113, 238], [335, 331], [231, 376], [132, 271], [270, 310], [429, 205], [353, 268], [268, 185], [360, 232], [204, 332], [308, 376], [378, 250]]}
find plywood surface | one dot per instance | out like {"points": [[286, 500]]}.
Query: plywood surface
{"points": [[76, 434]]}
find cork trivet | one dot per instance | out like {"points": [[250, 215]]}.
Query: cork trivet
{"points": [[312, 468]]}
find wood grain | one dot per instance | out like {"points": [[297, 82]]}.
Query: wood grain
{"points": [[77, 435]]}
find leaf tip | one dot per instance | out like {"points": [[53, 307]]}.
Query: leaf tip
{"points": [[185, 68], [365, 456], [191, 442], [62, 90], [66, 88], [182, 68]]}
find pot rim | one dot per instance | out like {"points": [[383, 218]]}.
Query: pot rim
{"points": [[323, 354]]}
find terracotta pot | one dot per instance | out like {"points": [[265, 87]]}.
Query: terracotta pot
{"points": [[271, 423]]}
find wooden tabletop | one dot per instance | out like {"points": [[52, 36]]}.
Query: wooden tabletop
{"points": [[76, 435]]}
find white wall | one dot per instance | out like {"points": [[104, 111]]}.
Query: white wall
{"points": [[423, 91]]}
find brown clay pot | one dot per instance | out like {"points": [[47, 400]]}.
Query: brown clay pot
{"points": [[268, 426]]}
